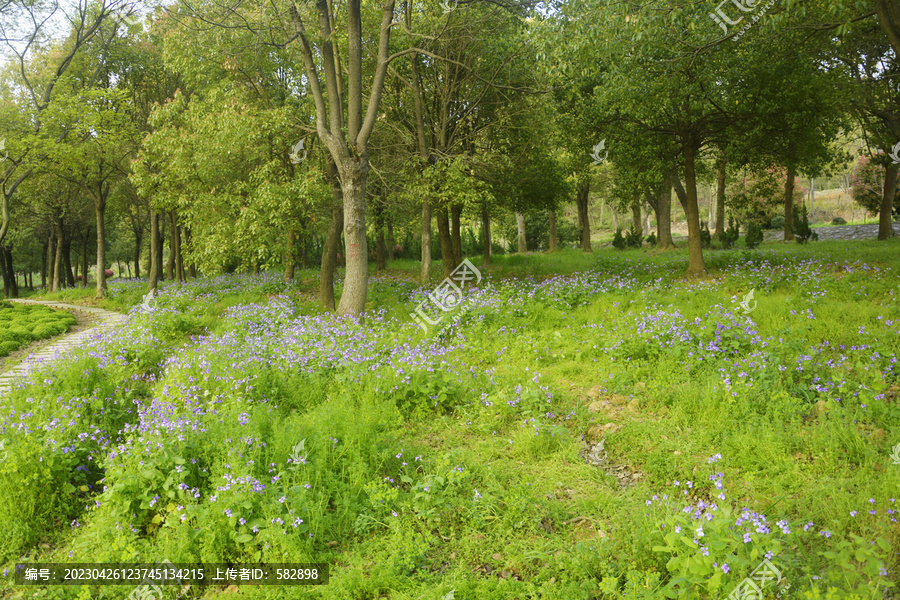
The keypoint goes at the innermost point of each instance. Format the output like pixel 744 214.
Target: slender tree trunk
pixel 664 216
pixel 520 226
pixel 153 277
pixel 77 277
pixel 356 279
pixel 128 268
pixel 554 242
pixel 161 241
pixel 332 240
pixel 636 215
pixel 486 234
pixel 789 201
pixel 57 262
pixel 581 199
pixel 426 242
pixel 175 241
pixel 380 255
pixel 100 209
pixel 170 265
pixel 51 256
pixel 443 223
pixel 67 262
pixel 7 284
pixel 455 213
pixel 885 229
pixel 12 272
pixel 44 266
pixel 696 265
pixel 84 261
pixel 615 218
pixel 138 239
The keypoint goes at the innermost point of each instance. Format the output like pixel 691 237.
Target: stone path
pixel 51 351
pixel 837 232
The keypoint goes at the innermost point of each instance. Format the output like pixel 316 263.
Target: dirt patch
pixel 84 320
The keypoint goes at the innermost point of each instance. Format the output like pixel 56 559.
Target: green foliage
pixel 731 234
pixel 777 222
pixel 619 242
pixel 651 239
pixel 800 227
pixel 21 324
pixel 633 238
pixel 754 235
pixel 705 236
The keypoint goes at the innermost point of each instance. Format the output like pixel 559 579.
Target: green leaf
pixel 243 538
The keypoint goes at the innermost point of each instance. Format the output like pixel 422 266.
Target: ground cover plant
pixel 21 324
pixel 593 426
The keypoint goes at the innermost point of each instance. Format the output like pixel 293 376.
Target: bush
pixel 731 234
pixel 618 241
pixel 777 222
pixel 633 239
pixel 705 237
pixel 754 235
pixel 839 221
pixel 800 226
pixel 651 239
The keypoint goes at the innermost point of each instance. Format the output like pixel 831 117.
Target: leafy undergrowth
pixel 234 421
pixel 21 324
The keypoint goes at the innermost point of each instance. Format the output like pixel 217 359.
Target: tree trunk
pixel 885 229
pixel 636 215
pixel 290 242
pixel 51 256
pixel 380 255
pixel 153 277
pixel 353 173
pixel 7 284
pixel 789 201
pixel 170 265
pixel 332 240
pixel 443 223
pixel 57 262
pixel 44 266
pixel 551 216
pixel 455 213
pixel 77 264
pixel 520 226
pixel 581 199
pixel 12 272
pixel 486 233
pixel 138 239
pixel 664 216
pixel 84 262
pixel 100 209
pixel 615 217
pixel 67 262
pixel 696 266
pixel 426 242
pixel 175 241
pixel 160 242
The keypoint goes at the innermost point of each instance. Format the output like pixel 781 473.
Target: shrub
pixel 705 237
pixel 633 239
pixel 731 234
pixel 777 222
pixel 651 239
pixel 839 221
pixel 800 226
pixel 754 235
pixel 618 241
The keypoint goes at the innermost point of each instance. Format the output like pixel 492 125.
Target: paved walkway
pixel 51 351
pixel 838 232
